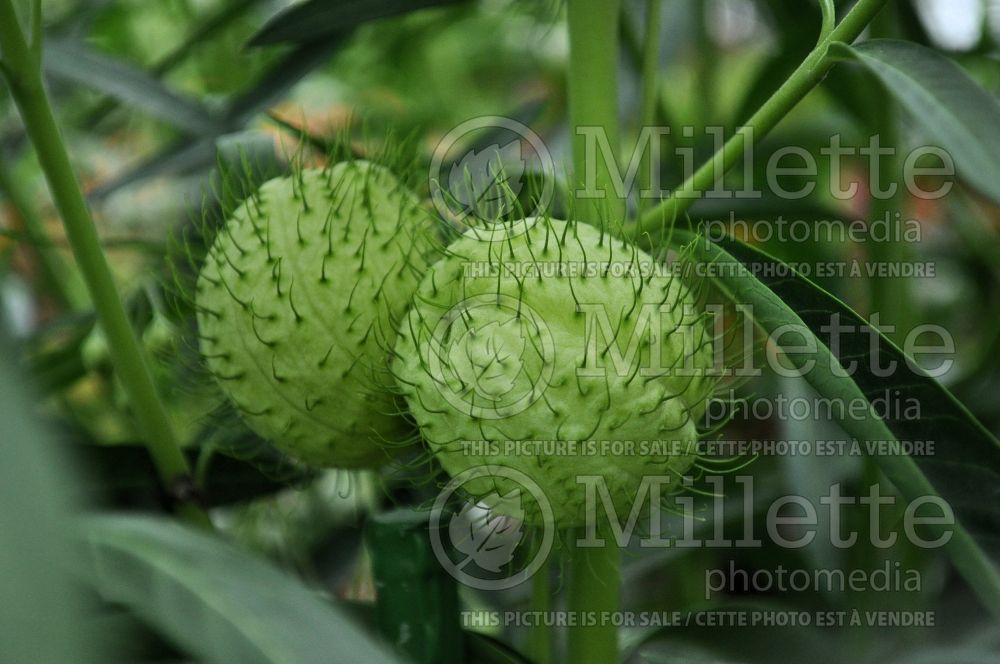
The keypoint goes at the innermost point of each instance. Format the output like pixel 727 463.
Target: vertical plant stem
pixel 417 605
pixel 891 297
pixel 650 92
pixel 706 64
pixel 651 61
pixel 593 103
pixel 540 637
pixel 808 75
pixel 593 108
pixel 594 593
pixel 21 64
pixel 633 48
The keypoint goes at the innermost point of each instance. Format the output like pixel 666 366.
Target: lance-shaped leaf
pixel 218 603
pixel 947 105
pixel 79 64
pixel 965 467
pixel 316 19
pixel 42 614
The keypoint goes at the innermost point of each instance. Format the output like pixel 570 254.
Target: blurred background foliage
pixel 161 102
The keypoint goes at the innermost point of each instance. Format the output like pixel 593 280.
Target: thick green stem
pixel 829 18
pixel 891 297
pixel 593 115
pixel 705 65
pixel 651 60
pixel 799 84
pixel 21 64
pixel 594 594
pixel 593 109
pixel 650 91
pixel 540 637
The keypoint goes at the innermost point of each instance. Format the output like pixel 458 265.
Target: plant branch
pixel 650 78
pixel 633 49
pixel 829 19
pixel 594 593
pixel 593 107
pixel 36 29
pixel 23 67
pixel 540 637
pixel 808 75
pixel 594 583
pixel 890 297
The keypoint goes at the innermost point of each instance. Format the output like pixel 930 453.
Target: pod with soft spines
pixel 298 301
pixel 559 351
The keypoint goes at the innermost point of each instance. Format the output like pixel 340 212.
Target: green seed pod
pixel 551 348
pixel 298 302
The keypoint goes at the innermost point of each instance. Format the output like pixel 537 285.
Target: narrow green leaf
pixel 319 143
pixel 965 467
pixel 315 19
pixel 219 603
pixel 41 613
pixel 943 101
pixel 181 157
pixel 74 62
pixel 221 19
pixel 279 79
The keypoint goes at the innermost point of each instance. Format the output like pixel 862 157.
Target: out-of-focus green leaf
pixel 218 603
pixel 176 159
pixel 184 157
pixel 279 80
pixel 79 64
pixel 221 19
pixel 188 156
pixel 315 19
pixel 40 616
pixel 943 101
pixel 965 466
